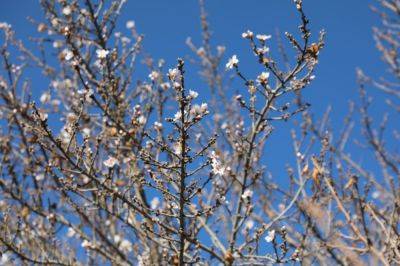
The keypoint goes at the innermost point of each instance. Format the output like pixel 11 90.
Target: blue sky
pixel 167 24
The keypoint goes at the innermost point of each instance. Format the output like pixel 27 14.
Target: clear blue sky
pixel 167 24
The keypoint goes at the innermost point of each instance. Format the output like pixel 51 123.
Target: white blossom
pixel 57 44
pixel 220 49
pixel 86 132
pixel 5 26
pixel 140 261
pixel 263 50
pixel 158 125
pixel 199 110
pixel 217 167
pixel 154 75
pixel 263 37
pixel 155 202
pixel 173 74
pixel 54 22
pixel 248 34
pixel 71 232
pixel 174 205
pixel 125 40
pixel 43 116
pixel 117 238
pixel 201 51
pixel 102 53
pixel 252 89
pixel 247 194
pixel 176 85
pixel 45 98
pixel 98 64
pixel 86 244
pixel 233 61
pixel 68 55
pixel 193 94
pixel 125 245
pixel 65 135
pixel 376 194
pixel 263 77
pixel 177 116
pixel 4 258
pixel 249 224
pixel 39 177
pixel 165 85
pixel 142 120
pixel 204 107
pixel 271 236
pixel 178 148
pixel 67 10
pixel 111 162
pixel 130 24
pixel 55 103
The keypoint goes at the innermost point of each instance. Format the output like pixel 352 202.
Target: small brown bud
pixel 113 131
pixel 229 257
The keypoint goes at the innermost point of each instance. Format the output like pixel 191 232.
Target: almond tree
pixel 104 167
